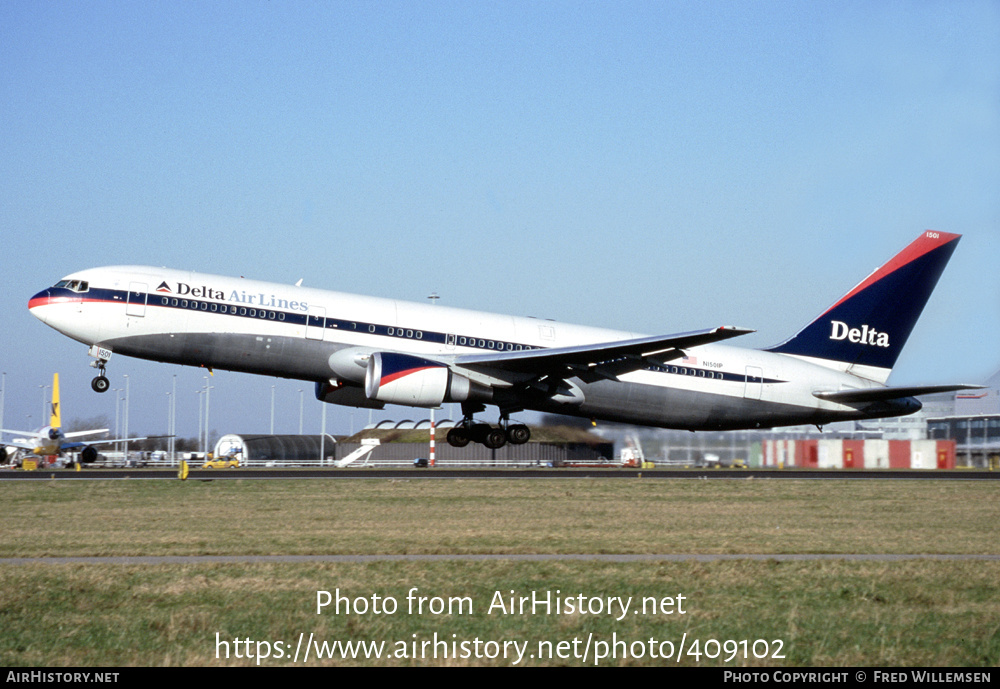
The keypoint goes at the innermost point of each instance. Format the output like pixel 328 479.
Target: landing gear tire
pixel 477 432
pixel 495 438
pixel 458 437
pixel 100 384
pixel 518 434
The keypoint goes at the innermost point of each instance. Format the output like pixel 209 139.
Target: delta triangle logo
pixel 164 287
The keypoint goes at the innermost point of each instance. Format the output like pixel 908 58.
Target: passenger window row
pixel 195 305
pixel 492 344
pixel 684 371
pixel 264 314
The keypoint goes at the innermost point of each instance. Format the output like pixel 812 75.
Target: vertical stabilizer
pixel 55 421
pixel 865 330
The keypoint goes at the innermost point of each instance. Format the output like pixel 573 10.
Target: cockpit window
pixel 74 285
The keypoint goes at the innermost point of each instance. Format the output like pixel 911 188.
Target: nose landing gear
pixel 100 383
pixel 101 356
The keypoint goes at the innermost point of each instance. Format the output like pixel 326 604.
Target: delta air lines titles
pixel 865 335
pixel 235 296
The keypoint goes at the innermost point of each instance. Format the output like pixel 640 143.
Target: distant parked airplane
pixel 51 440
pixel 367 352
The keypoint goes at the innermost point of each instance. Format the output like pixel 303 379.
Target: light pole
pixel 45 406
pixel 322 436
pixel 128 387
pixel 431 450
pixel 201 415
pixel 173 423
pixel 272 410
pixel 118 399
pixel 208 399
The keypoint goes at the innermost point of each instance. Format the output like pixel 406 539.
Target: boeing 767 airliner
pixel 367 352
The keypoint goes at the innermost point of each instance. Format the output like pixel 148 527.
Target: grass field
pixel 918 612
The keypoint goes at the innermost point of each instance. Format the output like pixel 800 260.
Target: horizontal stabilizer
pixel 884 394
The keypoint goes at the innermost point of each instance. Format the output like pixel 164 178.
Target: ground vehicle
pixel 227 462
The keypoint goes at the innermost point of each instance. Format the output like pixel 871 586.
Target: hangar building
pixel 257 450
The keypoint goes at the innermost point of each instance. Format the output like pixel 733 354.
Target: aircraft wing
pixel 605 360
pixel 36 435
pixel 889 393
pixel 23 443
pixel 24 435
pixel 76 434
pixel 103 442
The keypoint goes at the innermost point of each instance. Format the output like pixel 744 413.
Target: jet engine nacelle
pixel 335 392
pixel 416 382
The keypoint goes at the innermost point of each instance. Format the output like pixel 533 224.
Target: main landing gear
pixel 492 437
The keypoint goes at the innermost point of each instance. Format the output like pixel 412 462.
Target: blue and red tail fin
pixel 867 328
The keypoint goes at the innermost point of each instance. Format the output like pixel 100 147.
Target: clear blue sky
pixel 649 166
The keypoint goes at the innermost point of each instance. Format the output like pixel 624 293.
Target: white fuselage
pixel 323 336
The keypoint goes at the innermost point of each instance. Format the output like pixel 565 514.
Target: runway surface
pixel 502 473
pixel 542 557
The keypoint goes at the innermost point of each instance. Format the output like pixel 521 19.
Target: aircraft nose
pixel 36 302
